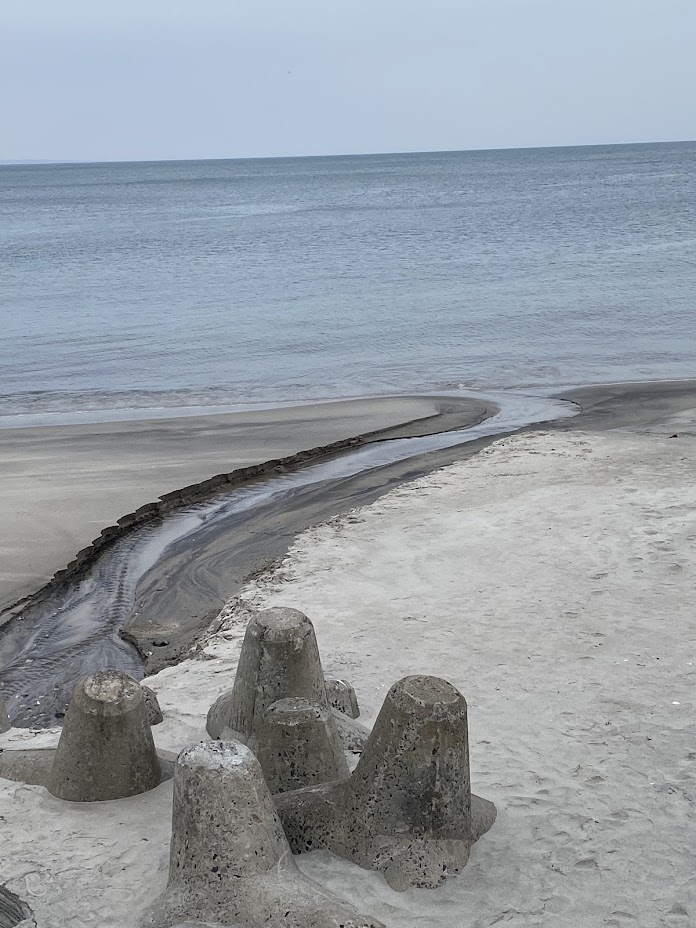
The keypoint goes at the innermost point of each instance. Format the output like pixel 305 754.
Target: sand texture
pixel 550 578
pixel 61 485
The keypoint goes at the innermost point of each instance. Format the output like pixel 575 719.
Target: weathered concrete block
pixel 4 717
pixel 341 696
pixel 229 859
pixel 35 766
pixel 352 733
pixel 106 749
pixel 154 713
pixel 279 659
pixel 299 745
pixel 407 808
pixel 27 766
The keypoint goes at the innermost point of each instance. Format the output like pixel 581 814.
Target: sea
pixel 161 288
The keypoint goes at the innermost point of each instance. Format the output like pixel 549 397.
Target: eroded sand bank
pixel 550 578
pixel 61 485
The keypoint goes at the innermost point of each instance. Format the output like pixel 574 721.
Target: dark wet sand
pixel 60 486
pixel 187 588
pixel 184 591
pixel 629 405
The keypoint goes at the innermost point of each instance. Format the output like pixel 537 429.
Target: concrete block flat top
pixel 406 809
pixel 106 749
pixel 230 863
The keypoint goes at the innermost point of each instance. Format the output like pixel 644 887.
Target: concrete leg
pixel 406 809
pixel 4 717
pixel 341 696
pixel 154 713
pixel 299 745
pixel 279 659
pixel 106 749
pixel 230 863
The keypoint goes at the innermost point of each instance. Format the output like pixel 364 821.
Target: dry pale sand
pixel 61 485
pixel 551 579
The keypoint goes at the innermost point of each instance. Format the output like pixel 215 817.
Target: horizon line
pixel 28 162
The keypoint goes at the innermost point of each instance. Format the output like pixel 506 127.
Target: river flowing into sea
pixel 75 630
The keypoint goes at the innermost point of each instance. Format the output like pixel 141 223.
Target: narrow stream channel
pixel 75 630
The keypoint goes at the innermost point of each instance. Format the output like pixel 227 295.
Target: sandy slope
pixel 61 485
pixel 551 578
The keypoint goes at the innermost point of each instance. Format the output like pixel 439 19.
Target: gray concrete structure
pixel 279 659
pixel 341 696
pixel 299 745
pixel 154 713
pixel 4 717
pixel 35 765
pixel 407 808
pixel 31 766
pixel 230 863
pixel 106 749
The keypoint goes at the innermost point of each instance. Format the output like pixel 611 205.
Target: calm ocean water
pixel 215 283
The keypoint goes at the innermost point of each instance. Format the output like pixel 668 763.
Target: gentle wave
pixel 173 286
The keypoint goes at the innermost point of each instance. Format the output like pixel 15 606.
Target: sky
pixel 111 80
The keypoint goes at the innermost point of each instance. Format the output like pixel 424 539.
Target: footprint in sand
pixel 678 916
pixel 620 919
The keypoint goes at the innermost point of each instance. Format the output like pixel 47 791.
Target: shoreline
pixel 195 589
pixel 178 596
pixel 548 578
pixel 159 464
pixel 637 404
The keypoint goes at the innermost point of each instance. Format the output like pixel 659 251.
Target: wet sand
pixel 187 586
pixel 550 578
pixel 60 486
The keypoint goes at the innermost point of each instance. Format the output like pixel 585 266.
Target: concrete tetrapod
pixel 4 717
pixel 299 745
pixel 229 862
pixel 341 696
pixel 152 706
pixel 407 808
pixel 279 659
pixel 106 749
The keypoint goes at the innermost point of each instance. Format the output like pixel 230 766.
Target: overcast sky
pixel 150 79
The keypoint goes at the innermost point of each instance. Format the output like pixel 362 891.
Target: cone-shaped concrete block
pixel 413 776
pixel 106 749
pixel 4 717
pixel 299 745
pixel 407 807
pixel 341 696
pixel 154 713
pixel 229 861
pixel 279 659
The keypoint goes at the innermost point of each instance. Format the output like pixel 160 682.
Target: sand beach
pixel 549 576
pixel 62 485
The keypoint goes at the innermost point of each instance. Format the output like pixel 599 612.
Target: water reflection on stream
pixel 76 629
